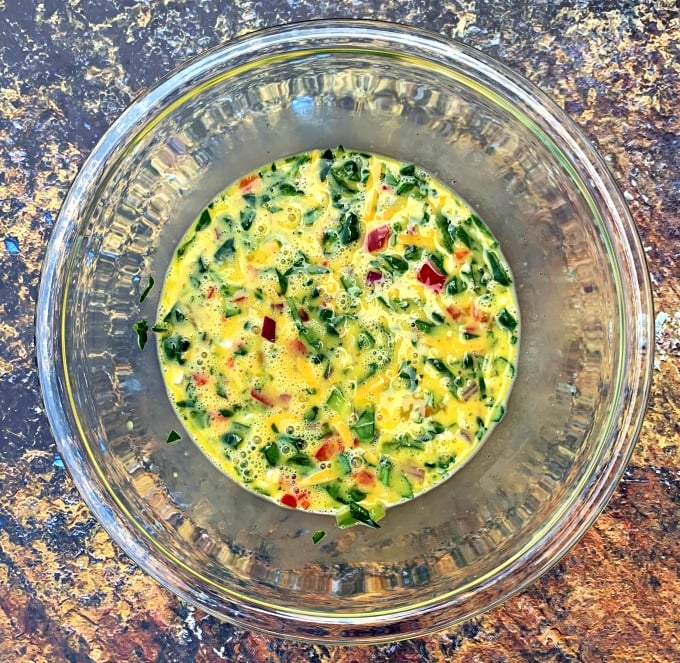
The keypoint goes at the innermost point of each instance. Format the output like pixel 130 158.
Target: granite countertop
pixel 68 68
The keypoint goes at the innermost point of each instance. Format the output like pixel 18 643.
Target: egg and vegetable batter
pixel 338 332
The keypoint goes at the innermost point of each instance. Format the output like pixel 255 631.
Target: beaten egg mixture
pixel 338 332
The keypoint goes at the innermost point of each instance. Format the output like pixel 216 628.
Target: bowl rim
pixel 551 124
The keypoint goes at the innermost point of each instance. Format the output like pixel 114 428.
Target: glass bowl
pixel 585 358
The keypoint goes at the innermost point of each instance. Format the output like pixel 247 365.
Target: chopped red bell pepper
pixel 304 316
pixel 430 277
pixel 297 347
pixel 212 291
pixel 269 329
pixel 377 238
pixel 373 277
pixel 199 379
pixel 302 497
pixel 259 396
pixel 479 314
pixel 246 182
pixel 454 312
pixel 328 450
pixel 364 477
pixel 288 500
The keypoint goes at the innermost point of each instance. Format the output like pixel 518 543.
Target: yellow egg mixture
pixel 338 332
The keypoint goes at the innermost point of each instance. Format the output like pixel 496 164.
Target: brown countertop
pixel 67 70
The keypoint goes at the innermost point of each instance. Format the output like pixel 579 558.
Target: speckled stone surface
pixel 67 70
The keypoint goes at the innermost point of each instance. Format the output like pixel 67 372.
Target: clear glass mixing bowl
pixel 585 356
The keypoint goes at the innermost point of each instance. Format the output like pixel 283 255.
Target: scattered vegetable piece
pixel 377 238
pixel 142 328
pixel 362 515
pixel 349 228
pixel 430 277
pixel 289 500
pixel 260 397
pixel 173 436
pixel 247 181
pixel 269 329
pixel 203 221
pixel 506 320
pixel 364 429
pixel 147 290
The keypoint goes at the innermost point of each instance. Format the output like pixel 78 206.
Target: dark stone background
pixel 68 68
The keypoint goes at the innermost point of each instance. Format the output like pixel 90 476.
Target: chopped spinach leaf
pixel 142 329
pixel 226 250
pixel 364 429
pixel 462 236
pixel 173 436
pixel 174 315
pixel 408 372
pixel 236 435
pixel 283 282
pixel 287 189
pixel 497 270
pixel 349 228
pixel 506 320
pixel 147 290
pixel 271 453
pixel 302 460
pixel 444 226
pixel 174 347
pixel 396 263
pixel 440 366
pixel 182 249
pixel 203 221
pixel 247 216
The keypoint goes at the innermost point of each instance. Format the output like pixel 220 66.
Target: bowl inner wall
pixel 487 513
